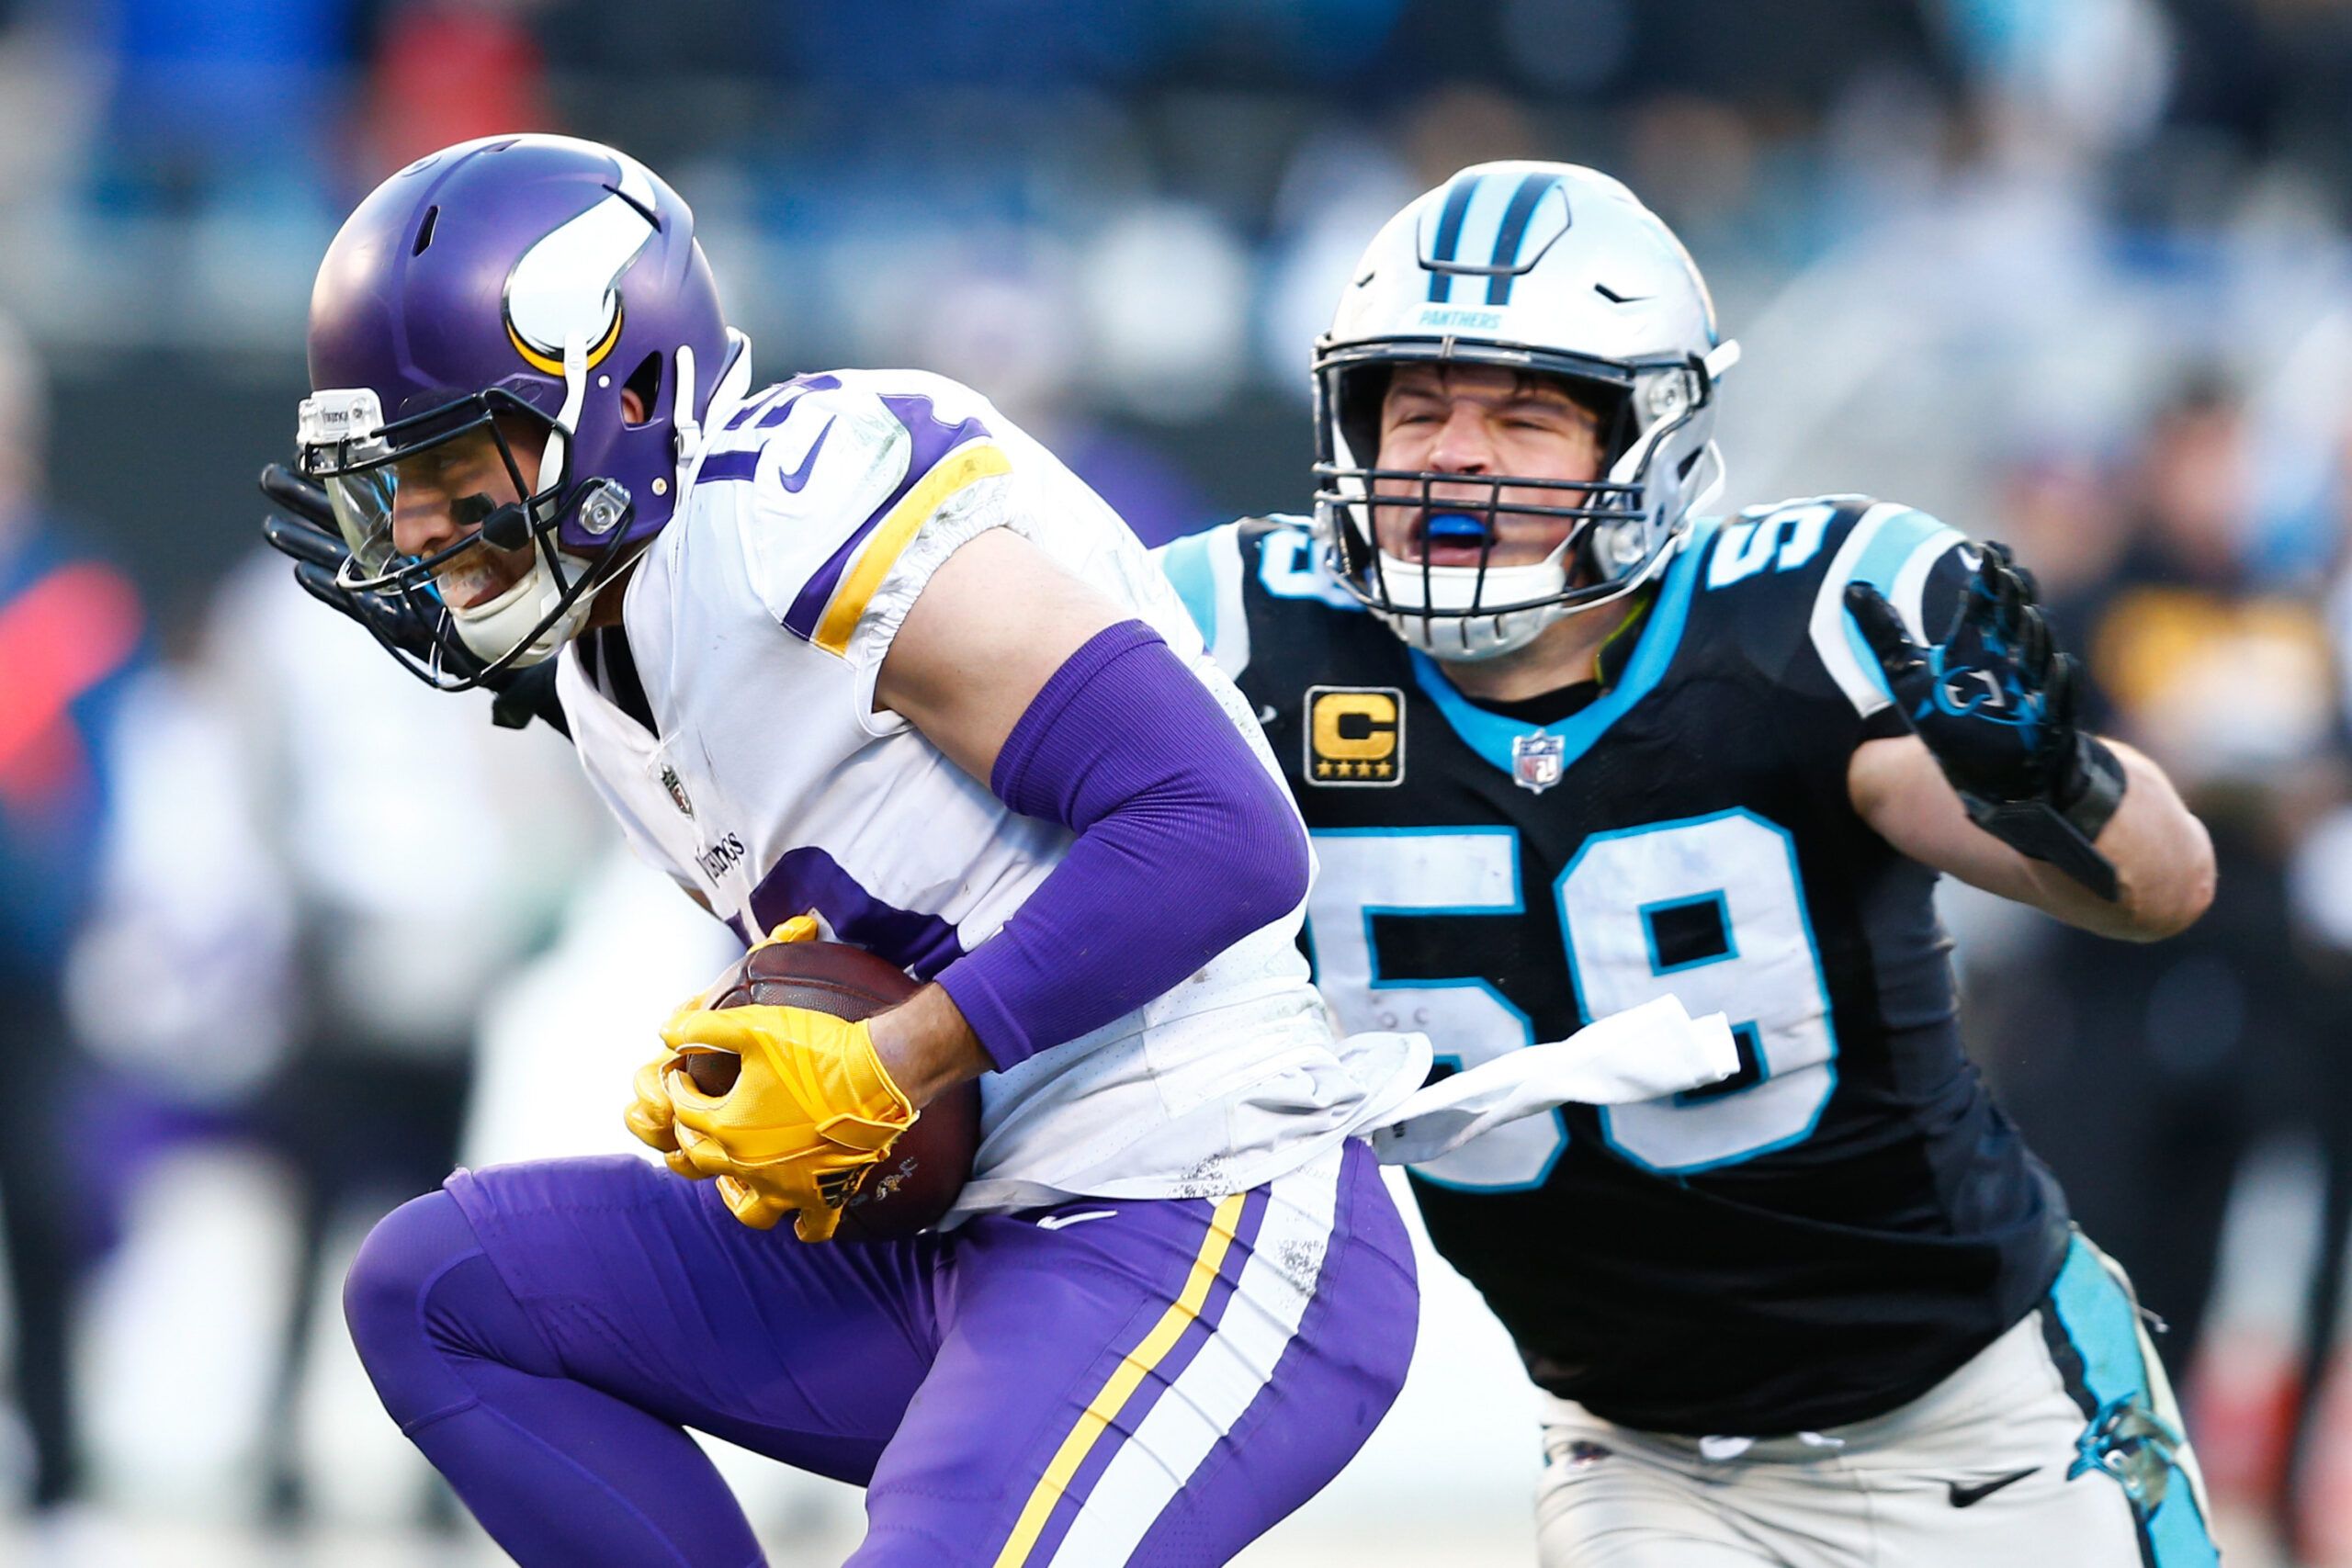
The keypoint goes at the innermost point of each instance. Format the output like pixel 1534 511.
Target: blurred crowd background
pixel 283 936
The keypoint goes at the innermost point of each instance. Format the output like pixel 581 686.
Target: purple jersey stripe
pixel 723 466
pixel 1162 1377
pixel 934 439
pixel 808 878
pixel 796 386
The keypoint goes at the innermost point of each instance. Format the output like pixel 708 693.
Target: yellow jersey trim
pixel 965 465
pixel 1122 1384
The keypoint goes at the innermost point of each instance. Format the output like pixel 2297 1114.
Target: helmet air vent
pixel 425 231
pixel 646 382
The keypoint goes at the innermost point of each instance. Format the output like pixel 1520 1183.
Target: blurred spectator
pixel 402 933
pixel 383 906
pixel 70 633
pixel 447 71
pixel 230 101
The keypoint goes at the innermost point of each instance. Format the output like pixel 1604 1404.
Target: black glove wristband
pixel 2064 835
pixel 2093 788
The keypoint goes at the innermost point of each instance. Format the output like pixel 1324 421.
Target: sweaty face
pixel 441 495
pixel 1479 422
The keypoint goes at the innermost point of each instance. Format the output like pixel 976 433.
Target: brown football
pixel 919 1178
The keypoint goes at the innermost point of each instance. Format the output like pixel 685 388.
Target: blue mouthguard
pixel 1455 528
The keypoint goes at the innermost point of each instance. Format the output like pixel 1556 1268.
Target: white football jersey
pixel 769 786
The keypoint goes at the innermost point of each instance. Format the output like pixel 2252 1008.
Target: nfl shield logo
pixel 677 791
pixel 1535 760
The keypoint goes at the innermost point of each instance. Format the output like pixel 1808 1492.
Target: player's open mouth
pixel 480 575
pixel 1451 538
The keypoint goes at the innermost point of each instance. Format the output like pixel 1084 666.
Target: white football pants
pixel 2056 1444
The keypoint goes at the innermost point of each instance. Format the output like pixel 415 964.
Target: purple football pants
pixel 1105 1382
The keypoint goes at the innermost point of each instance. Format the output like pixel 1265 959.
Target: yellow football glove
pixel 649 1114
pixel 812 1110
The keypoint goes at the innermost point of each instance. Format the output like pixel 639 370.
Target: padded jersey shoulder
pixel 841 472
pixel 1773 590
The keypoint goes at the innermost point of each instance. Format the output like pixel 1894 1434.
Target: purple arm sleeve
pixel 1185 845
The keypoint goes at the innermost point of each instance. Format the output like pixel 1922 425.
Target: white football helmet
pixel 1543 268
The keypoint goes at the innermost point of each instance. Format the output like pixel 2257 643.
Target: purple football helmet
pixel 515 277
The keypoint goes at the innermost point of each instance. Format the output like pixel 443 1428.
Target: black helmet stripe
pixel 1502 263
pixel 1514 231
pixel 1449 237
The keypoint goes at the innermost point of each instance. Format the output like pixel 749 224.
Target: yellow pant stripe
pixel 1121 1383
pixel 975 461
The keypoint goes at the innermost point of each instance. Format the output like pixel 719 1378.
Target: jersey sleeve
pixel 1205 570
pixel 859 495
pixel 1781 572
pixel 1913 558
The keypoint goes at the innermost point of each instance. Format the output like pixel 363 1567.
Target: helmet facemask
pixel 347 447
pixel 1621 525
pixel 1544 270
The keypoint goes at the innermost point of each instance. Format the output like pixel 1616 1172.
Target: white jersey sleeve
pixel 865 483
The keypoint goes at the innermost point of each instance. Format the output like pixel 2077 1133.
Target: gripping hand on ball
pixel 811 1111
pixel 800 928
pixel 1993 701
pixel 650 1115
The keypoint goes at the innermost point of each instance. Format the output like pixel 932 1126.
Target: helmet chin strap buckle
pixel 603 506
pixel 1620 545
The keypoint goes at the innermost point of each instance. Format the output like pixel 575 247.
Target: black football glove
pixel 1994 701
pixel 307 534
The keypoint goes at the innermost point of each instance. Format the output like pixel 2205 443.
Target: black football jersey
pixel 1849 1218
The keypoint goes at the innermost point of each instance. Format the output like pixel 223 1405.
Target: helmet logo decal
pixel 1477 219
pixel 562 286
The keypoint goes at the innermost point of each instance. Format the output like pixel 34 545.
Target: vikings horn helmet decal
pixel 530 292
pixel 563 285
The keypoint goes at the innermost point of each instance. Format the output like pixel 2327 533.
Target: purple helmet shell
pixel 470 270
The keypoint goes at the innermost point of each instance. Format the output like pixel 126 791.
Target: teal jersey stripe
pixel 1882 560
pixel 1510 238
pixel 1448 239
pixel 2102 1324
pixel 1490 734
pixel 1186 563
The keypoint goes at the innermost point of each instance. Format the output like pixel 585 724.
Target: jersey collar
pixel 1638 662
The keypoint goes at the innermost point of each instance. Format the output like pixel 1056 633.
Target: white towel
pixel 1641 1054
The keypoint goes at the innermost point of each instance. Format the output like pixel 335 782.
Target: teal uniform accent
pixel 1882 559
pixel 2103 1326
pixel 1490 735
pixel 1186 563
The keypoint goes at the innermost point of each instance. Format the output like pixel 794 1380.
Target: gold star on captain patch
pixel 1322 770
pixel 1384 769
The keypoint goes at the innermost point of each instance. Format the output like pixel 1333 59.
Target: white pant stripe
pixel 1210 1395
